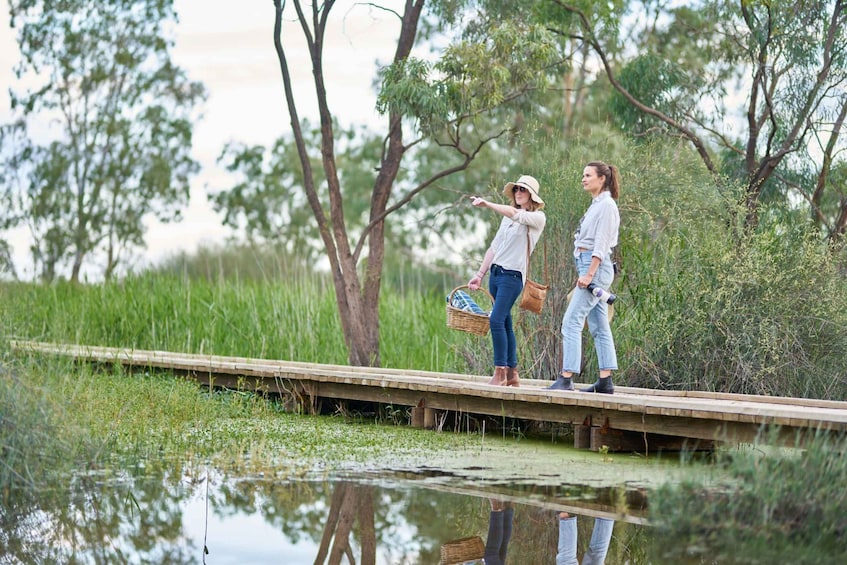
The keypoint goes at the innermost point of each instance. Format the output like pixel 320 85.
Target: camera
pixel 601 293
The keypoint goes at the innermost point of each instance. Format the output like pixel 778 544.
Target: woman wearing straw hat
pixel 507 259
pixel 593 243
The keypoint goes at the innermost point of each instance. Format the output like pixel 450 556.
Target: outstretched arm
pixel 503 209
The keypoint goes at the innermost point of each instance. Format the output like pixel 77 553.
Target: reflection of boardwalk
pixel 613 503
pixel 633 419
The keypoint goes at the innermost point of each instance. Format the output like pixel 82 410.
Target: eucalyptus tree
pixel 443 102
pixel 756 87
pixel 107 122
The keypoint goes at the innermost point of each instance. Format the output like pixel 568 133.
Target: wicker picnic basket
pixel 465 321
pixel 462 550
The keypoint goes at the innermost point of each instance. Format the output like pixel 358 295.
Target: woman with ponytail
pixel 593 243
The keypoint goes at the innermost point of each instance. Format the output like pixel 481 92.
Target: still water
pixel 367 518
pixel 409 521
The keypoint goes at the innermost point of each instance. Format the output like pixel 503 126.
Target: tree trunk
pixel 344 526
pixel 367 529
pixel 357 300
pixel 338 496
pixel 359 319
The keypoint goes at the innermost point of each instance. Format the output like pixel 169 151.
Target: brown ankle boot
pixel 499 377
pixel 512 378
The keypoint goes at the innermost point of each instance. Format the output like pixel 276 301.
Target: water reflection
pixel 499 531
pixel 98 517
pixel 369 520
pixel 598 546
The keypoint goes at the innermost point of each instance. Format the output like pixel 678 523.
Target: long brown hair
pixel 531 206
pixel 610 173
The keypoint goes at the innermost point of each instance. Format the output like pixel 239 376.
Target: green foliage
pixel 653 81
pixel 472 76
pixel 407 90
pixel 758 82
pixel 761 316
pixel 772 508
pixel 121 151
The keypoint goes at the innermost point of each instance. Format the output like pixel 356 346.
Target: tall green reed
pixel 294 320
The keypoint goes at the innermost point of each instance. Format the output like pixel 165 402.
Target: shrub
pixel 703 304
pixel 780 507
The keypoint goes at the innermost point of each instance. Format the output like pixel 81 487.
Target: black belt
pixel 498 270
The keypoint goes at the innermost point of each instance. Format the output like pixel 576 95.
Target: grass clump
pixel 786 506
pixel 756 316
pixel 36 441
pixel 59 417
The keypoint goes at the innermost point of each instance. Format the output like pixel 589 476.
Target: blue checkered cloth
pixel 463 301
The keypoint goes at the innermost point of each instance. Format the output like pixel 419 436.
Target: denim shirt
pixel 598 229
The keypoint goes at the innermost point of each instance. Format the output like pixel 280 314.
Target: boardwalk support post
pixel 582 434
pixel 423 417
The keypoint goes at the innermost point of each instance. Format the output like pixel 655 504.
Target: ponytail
pixel 612 176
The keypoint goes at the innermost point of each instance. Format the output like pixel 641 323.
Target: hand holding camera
pixel 601 293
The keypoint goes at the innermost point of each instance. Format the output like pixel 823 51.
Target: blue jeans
pixel 601 537
pixel 585 306
pixel 505 286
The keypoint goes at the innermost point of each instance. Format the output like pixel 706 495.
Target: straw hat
pixel 530 184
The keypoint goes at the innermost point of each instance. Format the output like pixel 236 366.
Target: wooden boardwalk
pixel 633 419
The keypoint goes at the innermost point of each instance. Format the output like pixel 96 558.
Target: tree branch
pixel 305 163
pixel 595 45
pixel 468 158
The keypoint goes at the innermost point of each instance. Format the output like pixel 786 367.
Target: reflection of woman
pixel 507 257
pixel 601 537
pixel 499 532
pixel 593 243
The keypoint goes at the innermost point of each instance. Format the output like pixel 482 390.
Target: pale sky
pixel 231 51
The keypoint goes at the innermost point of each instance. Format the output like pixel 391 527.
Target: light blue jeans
pixel 585 306
pixel 601 537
